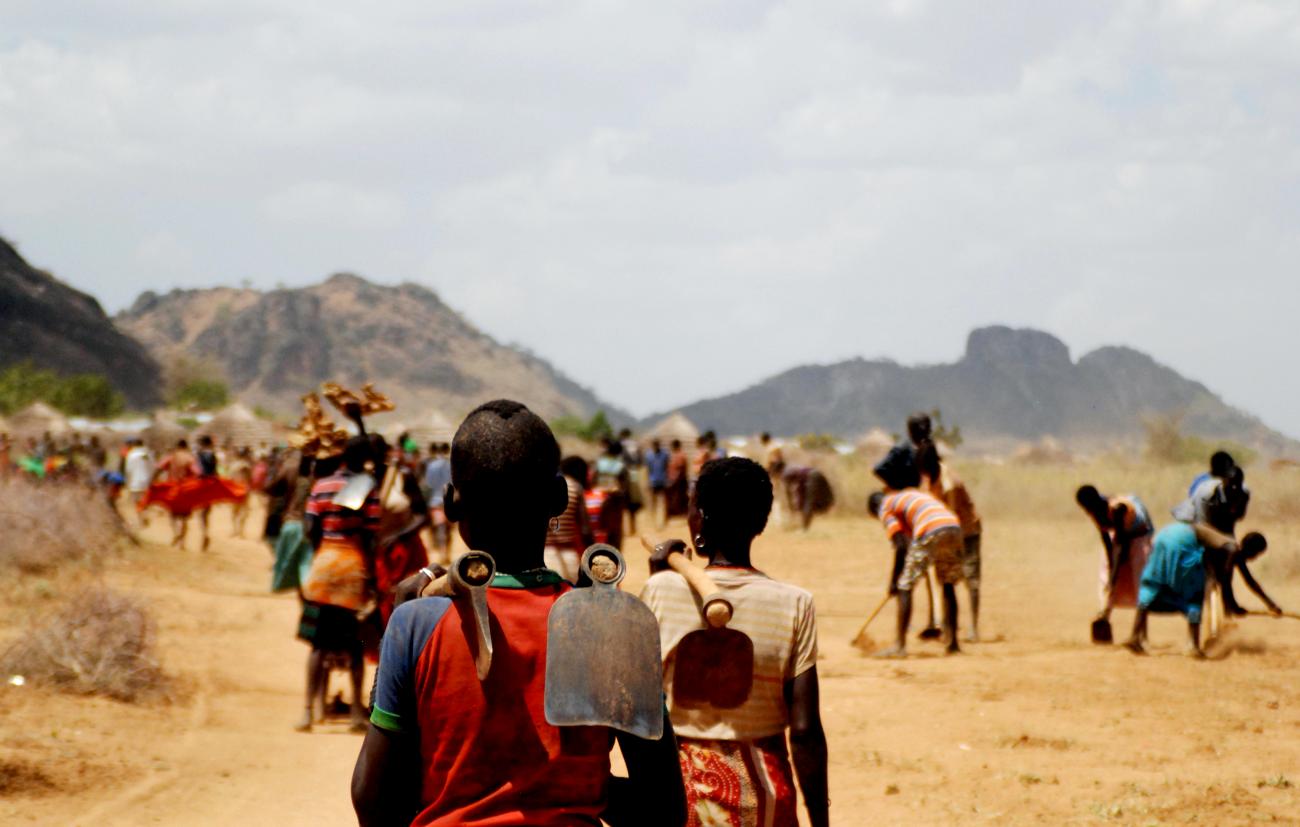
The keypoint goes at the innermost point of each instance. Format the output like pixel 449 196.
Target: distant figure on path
pixel 656 464
pixel 340 581
pixel 437 474
pixel 678 491
pixel 807 492
pixel 569 534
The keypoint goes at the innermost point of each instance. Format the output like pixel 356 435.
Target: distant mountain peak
pixel 1011 384
pixel 1022 346
pixel 275 345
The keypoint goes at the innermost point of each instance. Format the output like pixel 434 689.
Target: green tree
pixel 22 384
pixel 195 384
pixel 1167 443
pixel 88 395
pixel 84 394
pixel 592 430
pixel 201 394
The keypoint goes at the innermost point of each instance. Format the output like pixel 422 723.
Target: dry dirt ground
pixel 1038 727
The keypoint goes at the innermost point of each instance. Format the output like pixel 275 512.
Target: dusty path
pixel 1040 727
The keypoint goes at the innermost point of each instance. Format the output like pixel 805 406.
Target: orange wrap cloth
pixel 192 494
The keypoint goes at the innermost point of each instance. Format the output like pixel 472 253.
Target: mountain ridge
pixel 57 327
pixel 1009 385
pixel 273 345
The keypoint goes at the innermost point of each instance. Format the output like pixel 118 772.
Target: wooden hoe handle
pixel 717 609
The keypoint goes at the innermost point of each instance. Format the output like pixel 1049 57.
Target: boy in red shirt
pixel 444 748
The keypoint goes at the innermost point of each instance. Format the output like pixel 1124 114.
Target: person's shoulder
pixel 664 582
pixel 415 620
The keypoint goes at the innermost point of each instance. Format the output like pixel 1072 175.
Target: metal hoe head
pixel 353 495
pixel 603 664
pixel 472 574
pixel 469 579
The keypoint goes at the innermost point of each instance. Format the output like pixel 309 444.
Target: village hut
pixel 875 443
pixel 673 426
pixel 237 425
pixel 38 419
pixel 433 427
pixel 163 432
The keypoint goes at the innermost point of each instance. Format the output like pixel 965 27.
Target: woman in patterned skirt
pixel 734 760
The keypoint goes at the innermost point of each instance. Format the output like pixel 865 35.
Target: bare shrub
pixel 23 778
pixel 47 524
pixel 98 643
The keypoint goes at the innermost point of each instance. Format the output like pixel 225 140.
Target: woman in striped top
pixel 734 760
pixel 341 579
pixel 570 533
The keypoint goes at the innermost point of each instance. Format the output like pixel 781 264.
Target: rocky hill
pixel 273 346
pixel 49 324
pixel 1011 385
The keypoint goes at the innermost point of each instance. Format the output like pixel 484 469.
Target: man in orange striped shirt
pixel 923 531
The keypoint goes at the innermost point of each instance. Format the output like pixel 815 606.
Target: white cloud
pixel 715 190
pixel 333 205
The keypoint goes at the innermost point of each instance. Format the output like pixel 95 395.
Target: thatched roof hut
pixel 673 426
pixel 237 425
pixel 163 433
pixel 38 419
pixel 433 427
pixel 875 442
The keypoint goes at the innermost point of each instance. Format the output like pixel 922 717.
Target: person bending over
pixel 923 532
pixel 1126 533
pixel 1185 563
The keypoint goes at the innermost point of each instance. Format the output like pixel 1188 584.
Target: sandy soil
pixel 1036 727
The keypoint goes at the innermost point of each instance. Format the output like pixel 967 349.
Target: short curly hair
pixel 504 451
pixel 735 497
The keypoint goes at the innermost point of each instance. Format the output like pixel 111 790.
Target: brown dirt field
pixel 1039 727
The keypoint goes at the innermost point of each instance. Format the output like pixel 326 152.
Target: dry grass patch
pixel 98 643
pixel 19 777
pixel 49 524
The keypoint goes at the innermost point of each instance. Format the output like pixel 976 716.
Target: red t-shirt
pixel 488 756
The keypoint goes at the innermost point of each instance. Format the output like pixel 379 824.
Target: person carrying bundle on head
pixel 445 747
pixel 733 751
pixel 341 580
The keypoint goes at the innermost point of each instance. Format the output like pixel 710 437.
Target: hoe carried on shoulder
pixel 468 579
pixel 713 666
pixel 603 664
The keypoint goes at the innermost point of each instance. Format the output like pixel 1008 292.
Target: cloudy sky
pixel 675 199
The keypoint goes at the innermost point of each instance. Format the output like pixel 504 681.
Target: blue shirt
pixel 1174 577
pixel 436 477
pixel 657 467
